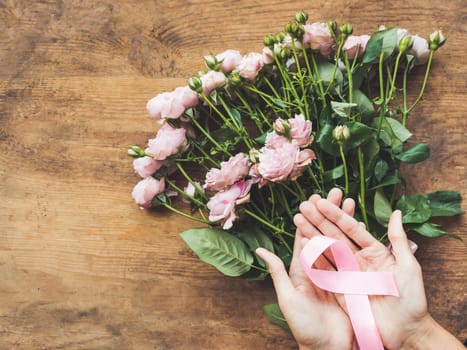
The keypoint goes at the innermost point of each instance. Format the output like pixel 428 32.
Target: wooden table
pixel 81 267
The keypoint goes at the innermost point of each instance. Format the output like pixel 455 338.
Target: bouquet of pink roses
pixel 252 136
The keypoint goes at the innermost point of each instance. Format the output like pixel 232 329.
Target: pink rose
pixel 318 37
pixel 167 142
pixel 163 106
pixel 212 80
pixel 172 104
pixel 146 190
pixel 250 65
pixel 222 205
pixel 236 168
pixel 268 55
pixel 354 43
pixel 419 49
pixel 146 166
pixel 277 159
pixel 274 140
pixel 304 158
pixel 300 130
pixel 185 96
pixel 229 59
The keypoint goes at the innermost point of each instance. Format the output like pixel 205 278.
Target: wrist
pixel 418 336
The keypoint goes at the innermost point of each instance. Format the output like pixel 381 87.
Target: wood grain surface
pixel 81 266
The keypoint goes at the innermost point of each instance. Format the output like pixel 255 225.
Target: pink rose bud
pixel 222 205
pixel 437 40
pixel 146 166
pixel 300 130
pixel 419 49
pixel 268 55
pixel 318 37
pixel 191 190
pixel 167 142
pixel 212 80
pixel 235 169
pixel 212 62
pixel 229 59
pixel 281 126
pixel 146 190
pixel 250 66
pixel 401 34
pixel 355 44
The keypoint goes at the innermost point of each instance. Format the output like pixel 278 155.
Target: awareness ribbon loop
pixel 356 285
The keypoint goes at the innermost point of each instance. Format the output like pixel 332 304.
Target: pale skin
pixel 318 319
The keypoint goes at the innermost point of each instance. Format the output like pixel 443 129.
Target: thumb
pixel 398 238
pixel 280 278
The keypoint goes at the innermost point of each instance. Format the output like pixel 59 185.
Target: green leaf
pixel 417 153
pixel 445 203
pixel 381 168
pixel 326 70
pixel 237 116
pixel 342 109
pixel 334 173
pixel 387 135
pixel 387 181
pixel 415 208
pixel 399 130
pixel 428 229
pixel 364 104
pixel 373 49
pixel 275 316
pixel 370 153
pixel 382 207
pixel 255 239
pixel 381 41
pixel 220 249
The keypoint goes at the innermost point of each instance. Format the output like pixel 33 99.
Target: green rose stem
pixel 336 65
pixel 359 152
pixel 344 163
pixel 289 84
pixel 184 173
pixel 188 216
pixel 362 187
pixel 393 80
pixel 382 95
pixel 251 112
pixel 315 180
pixel 228 122
pixel 208 136
pixel 300 80
pixel 208 157
pixel 184 194
pixel 277 231
pixel 320 83
pixel 422 90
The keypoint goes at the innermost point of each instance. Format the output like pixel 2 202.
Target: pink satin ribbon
pixel 353 283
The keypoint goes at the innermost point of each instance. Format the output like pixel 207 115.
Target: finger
pixel 347 225
pixel 311 212
pixel 305 227
pixel 348 206
pixel 335 196
pixel 280 278
pixel 396 234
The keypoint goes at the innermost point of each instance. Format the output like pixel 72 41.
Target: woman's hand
pixel 315 317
